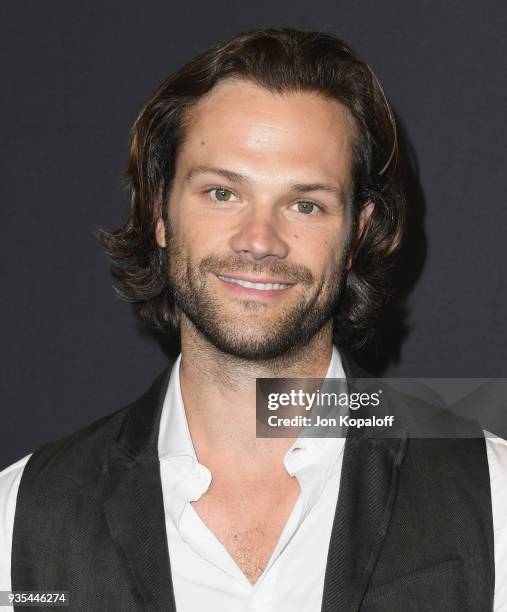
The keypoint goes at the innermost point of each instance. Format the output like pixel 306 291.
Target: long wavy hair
pixel 282 61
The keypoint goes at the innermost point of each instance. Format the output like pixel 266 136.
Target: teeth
pixel 261 286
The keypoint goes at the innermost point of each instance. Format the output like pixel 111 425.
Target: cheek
pixel 324 255
pixel 323 248
pixel 186 228
pixel 199 240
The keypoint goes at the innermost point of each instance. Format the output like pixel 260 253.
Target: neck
pixel 218 393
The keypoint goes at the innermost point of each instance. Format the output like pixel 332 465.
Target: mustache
pixel 287 273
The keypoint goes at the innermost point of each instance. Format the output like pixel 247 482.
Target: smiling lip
pixel 262 288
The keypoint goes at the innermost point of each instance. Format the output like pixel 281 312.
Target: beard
pixel 253 334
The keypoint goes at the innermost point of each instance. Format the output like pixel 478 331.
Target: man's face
pixel 259 217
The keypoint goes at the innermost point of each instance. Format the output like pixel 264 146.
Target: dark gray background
pixel 74 76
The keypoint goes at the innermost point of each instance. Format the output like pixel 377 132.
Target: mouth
pixel 267 285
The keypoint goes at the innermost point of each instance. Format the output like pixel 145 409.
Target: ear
pixel 364 217
pixel 160 233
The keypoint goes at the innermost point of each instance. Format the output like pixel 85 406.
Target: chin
pixel 264 346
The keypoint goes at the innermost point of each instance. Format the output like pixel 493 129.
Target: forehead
pixel 241 123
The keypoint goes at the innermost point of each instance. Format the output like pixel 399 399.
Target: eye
pixel 219 194
pixel 306 207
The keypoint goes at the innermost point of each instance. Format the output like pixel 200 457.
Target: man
pixel 266 204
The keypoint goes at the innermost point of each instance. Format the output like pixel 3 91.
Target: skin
pixel 250 220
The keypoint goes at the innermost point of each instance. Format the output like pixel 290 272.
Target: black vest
pixel 412 530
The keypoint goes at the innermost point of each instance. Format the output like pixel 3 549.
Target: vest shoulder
pixel 78 452
pixel 84 454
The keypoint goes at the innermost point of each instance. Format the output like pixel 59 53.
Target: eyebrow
pixel 228 174
pixel 240 178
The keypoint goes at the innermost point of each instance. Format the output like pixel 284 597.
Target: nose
pixel 258 236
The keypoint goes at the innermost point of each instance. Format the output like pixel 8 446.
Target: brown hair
pixel 284 60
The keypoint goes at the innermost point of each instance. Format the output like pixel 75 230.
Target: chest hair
pixel 249 521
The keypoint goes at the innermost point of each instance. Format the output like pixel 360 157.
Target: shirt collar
pixel 184 479
pixel 313 460
pixel 174 436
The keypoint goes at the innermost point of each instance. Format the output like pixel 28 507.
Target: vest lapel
pixel 133 504
pixel 365 503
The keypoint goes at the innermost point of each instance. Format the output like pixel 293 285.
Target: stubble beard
pixel 264 338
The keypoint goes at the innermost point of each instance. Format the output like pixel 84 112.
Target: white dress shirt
pixel 203 570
